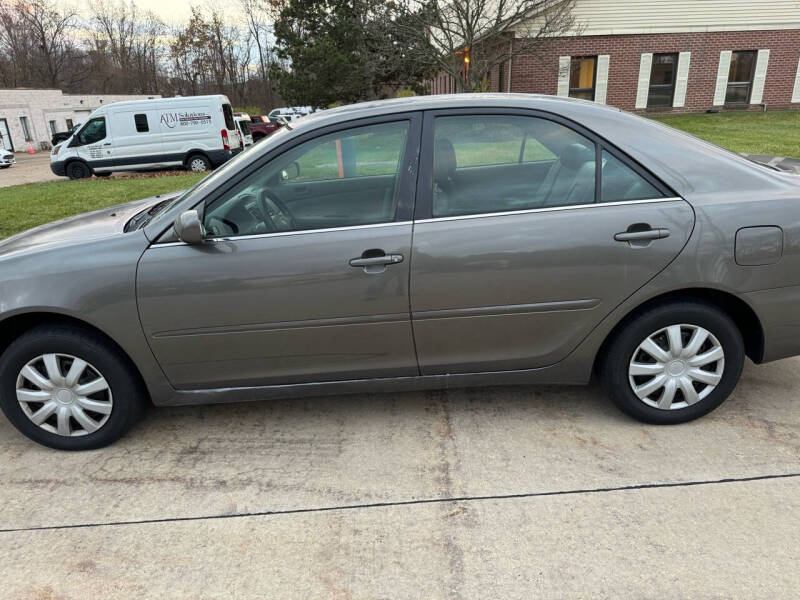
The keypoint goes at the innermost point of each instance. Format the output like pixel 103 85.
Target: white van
pixel 194 132
pixel 243 125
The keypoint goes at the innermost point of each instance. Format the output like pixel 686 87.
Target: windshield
pixel 245 127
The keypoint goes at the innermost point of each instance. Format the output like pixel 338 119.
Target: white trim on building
pixel 615 17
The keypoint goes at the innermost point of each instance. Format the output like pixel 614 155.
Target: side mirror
pixel 189 228
pixel 291 171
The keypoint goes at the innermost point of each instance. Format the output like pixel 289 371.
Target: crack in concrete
pixel 421 501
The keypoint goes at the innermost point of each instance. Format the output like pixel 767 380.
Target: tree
pixel 466 39
pixel 258 15
pixel 342 51
pixel 49 47
pixel 126 46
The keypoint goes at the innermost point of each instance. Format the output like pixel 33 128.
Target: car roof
pixel 690 166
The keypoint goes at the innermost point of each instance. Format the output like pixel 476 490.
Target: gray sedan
pixel 419 243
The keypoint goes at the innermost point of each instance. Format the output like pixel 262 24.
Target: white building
pixel 29 117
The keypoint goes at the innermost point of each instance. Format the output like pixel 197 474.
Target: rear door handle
pixel 388 259
pixel 642 236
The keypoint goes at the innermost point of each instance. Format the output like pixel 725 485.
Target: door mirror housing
pixel 189 227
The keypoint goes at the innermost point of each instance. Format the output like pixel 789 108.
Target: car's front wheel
pixel 674 363
pixel 69 388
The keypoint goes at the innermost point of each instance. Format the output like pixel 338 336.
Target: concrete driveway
pixel 484 493
pixel 30 168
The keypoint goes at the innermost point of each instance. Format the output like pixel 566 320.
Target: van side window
pixel 141 123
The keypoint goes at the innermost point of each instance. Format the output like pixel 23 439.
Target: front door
pixel 292 287
pixel 521 246
pixel 94 142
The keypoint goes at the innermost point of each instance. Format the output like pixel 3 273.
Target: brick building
pixel 667 56
pixel 28 117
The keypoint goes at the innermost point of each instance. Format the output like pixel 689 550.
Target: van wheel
pixel 78 170
pixel 198 163
pixel 674 363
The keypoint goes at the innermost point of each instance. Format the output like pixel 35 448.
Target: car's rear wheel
pixel 78 170
pixel 69 388
pixel 674 363
pixel 198 163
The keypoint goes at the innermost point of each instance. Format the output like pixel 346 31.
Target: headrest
pixel 444 160
pixel 575 156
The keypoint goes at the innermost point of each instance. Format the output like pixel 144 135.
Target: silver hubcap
pixel 63 394
pixel 198 165
pixel 676 367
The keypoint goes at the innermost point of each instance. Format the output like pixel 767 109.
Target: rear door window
pixel 496 163
pixel 227 112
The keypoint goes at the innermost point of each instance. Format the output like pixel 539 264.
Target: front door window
pixel 94 131
pixel 341 179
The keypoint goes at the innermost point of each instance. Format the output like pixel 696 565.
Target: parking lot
pixel 483 493
pixel 29 169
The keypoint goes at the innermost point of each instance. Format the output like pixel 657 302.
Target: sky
pixel 174 12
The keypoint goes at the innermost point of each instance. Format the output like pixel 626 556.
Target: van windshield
pixel 228 112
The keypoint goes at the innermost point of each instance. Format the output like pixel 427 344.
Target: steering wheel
pixel 274 212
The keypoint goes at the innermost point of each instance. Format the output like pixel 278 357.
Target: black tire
pixel 129 397
pixel 195 160
pixel 615 364
pixel 78 170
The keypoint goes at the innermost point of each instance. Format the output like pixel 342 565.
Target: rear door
pixel 528 232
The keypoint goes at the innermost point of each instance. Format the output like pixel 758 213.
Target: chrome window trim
pixel 286 233
pixel 549 209
pixel 432 220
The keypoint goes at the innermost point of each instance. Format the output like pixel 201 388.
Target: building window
pixel 662 80
pixel 582 77
pixel 52 126
pixel 141 123
pixel 26 129
pixel 69 125
pixel 740 77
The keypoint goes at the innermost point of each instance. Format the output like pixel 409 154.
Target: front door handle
pixel 375 261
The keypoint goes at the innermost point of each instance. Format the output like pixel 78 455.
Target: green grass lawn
pixel 29 205
pixel 774 132
pixel 25 206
